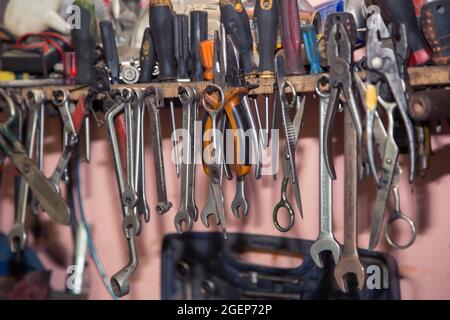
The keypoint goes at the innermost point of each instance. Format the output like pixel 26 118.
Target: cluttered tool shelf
pixel 418 77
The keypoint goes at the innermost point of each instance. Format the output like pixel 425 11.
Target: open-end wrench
pixel 239 203
pixel 326 240
pixel 142 207
pixel 39 154
pixel 18 235
pixel 187 211
pixel 215 203
pixel 155 99
pixel 349 262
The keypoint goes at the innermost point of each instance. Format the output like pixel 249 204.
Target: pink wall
pixel 425 266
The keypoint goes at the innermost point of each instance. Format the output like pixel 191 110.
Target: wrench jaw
pixel 325 244
pixel 17 238
pixel 163 207
pixel 238 206
pixel 183 218
pixel 349 265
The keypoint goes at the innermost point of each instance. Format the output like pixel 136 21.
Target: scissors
pixel 286 166
pixel 390 173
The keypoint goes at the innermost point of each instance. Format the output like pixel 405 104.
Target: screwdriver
pixel 110 49
pixel 237 25
pixel 435 18
pixel 181 36
pixel 199 33
pixel 161 27
pixel 312 48
pixel 291 37
pixel 266 22
pixel 206 57
pixel 147 58
pixel 84 39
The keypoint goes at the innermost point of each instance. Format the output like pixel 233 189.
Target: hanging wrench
pixel 349 262
pixel 215 203
pixel 18 236
pixel 156 99
pixel 142 207
pixel 131 224
pixel 188 210
pixel 39 154
pixel 326 240
pixel 61 101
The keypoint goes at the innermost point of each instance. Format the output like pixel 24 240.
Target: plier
pixel 340 60
pixel 382 60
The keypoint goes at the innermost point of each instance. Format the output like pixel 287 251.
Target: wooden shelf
pixel 419 77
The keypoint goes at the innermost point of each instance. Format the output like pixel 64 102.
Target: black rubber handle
pixel 84 45
pixel 266 20
pixel 237 25
pixel 110 49
pixel 435 18
pixel 161 27
pixel 199 33
pixel 403 12
pixel 147 58
pixel 181 36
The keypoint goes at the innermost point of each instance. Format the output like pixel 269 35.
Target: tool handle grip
pixel 206 57
pixel 147 57
pixel 181 36
pixel 430 105
pixel 403 12
pixel 266 21
pixel 161 26
pixel 110 49
pixel 435 18
pixel 290 37
pixel 237 25
pixel 238 125
pixel 199 33
pixel 84 45
pixel 312 48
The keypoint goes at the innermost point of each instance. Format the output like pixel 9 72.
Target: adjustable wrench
pixel 349 262
pixel 188 209
pixel 18 236
pixel 326 240
pixel 156 99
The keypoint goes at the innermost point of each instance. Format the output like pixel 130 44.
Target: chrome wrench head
pixel 239 203
pixel 349 265
pixel 120 281
pixel 325 241
pixel 17 238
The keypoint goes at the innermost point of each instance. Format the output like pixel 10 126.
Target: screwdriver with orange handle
pixel 206 58
pixel 238 125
